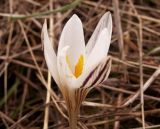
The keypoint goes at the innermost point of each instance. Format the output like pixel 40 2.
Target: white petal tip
pixel 75 18
pixel 108 19
pixel 44 25
pixel 45 21
pixel 44 29
pixel 107 14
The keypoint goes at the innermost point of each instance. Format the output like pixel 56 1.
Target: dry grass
pixel 118 103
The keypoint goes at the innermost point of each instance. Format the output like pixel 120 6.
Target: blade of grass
pixel 10 91
pixel 35 15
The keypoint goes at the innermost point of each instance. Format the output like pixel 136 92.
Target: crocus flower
pixel 77 68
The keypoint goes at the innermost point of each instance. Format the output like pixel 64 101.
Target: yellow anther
pixel 79 66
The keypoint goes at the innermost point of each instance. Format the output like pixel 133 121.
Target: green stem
pixel 61 9
pixel 11 91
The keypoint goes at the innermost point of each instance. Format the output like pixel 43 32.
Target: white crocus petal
pixel 73 36
pixel 49 54
pixel 68 80
pixel 101 48
pixel 105 22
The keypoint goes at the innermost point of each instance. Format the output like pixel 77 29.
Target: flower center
pixel 78 67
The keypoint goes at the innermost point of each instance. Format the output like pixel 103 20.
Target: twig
pixel 4 116
pixel 117 123
pixel 24 94
pixel 121 11
pixel 141 62
pixel 119 28
pixel 149 127
pixel 128 92
pixel 7 54
pixel 46 117
pixel 122 51
pixel 53 96
pixel 146 85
